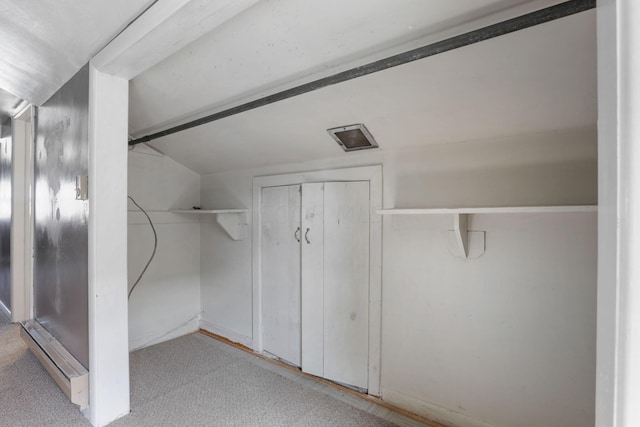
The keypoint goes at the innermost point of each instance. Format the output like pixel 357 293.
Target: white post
pixel 618 360
pixel 21 248
pixel 108 310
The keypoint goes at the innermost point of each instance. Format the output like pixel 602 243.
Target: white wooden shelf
pixel 491 210
pixel 232 221
pixel 208 211
pixel 471 244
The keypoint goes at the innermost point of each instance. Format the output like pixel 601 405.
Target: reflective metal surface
pixel 61 221
pixel 5 213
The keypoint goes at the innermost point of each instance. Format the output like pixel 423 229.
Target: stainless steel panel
pixel 61 221
pixel 5 213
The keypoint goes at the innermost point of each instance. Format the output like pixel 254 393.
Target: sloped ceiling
pixel 534 80
pixel 280 42
pixel 539 79
pixel 44 43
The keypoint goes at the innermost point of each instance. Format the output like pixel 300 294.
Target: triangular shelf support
pixel 465 243
pixel 234 224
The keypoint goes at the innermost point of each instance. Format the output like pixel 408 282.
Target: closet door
pixel 313 279
pixel 281 272
pixel 346 282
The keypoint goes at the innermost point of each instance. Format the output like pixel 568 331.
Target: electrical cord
pixel 155 246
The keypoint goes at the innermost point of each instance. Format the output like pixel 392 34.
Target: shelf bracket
pixel 464 243
pixel 234 224
pixel 460 222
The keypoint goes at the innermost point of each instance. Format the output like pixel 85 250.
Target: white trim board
pixel 373 174
pixel 21 224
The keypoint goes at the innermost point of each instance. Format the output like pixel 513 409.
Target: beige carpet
pixel 28 395
pixel 190 381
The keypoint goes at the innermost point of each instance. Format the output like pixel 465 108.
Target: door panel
pixel 281 272
pixel 313 278
pixel 60 282
pixel 346 282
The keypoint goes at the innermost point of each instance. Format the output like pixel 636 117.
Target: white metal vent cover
pixel 353 137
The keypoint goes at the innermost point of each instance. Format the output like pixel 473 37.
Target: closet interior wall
pixel 460 334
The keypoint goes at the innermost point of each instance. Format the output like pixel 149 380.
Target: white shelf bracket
pixel 234 224
pixel 460 222
pixel 464 243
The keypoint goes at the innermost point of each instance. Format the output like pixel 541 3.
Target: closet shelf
pixel 232 221
pixel 209 211
pixel 490 210
pixel 471 244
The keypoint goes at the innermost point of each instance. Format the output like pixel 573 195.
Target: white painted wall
pixel 107 257
pixel 21 260
pixel 166 302
pixel 507 339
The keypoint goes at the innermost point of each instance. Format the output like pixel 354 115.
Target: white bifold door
pixel 315 278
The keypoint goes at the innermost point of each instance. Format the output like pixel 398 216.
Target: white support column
pixel 21 248
pixel 618 358
pixel 108 307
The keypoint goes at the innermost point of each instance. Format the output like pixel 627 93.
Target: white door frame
pixel 22 221
pixel 373 174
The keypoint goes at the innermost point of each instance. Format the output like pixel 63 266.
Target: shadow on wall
pixel 527 185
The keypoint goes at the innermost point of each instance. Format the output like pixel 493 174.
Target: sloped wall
pixel 166 302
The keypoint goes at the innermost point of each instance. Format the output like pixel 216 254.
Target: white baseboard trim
pixel 137 343
pixel 430 410
pixel 225 333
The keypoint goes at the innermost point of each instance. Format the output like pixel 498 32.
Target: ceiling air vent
pixel 353 137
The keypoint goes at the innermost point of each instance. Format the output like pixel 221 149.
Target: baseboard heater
pixel 65 370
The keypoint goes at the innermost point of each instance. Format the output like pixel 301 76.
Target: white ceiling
pixel 44 43
pixel 538 79
pixel 534 80
pixel 276 43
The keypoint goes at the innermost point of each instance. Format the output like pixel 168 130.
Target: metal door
pixel 60 284
pixel 5 213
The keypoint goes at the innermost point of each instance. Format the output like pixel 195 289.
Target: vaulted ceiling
pixel 44 43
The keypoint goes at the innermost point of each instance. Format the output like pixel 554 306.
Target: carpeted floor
pixel 190 381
